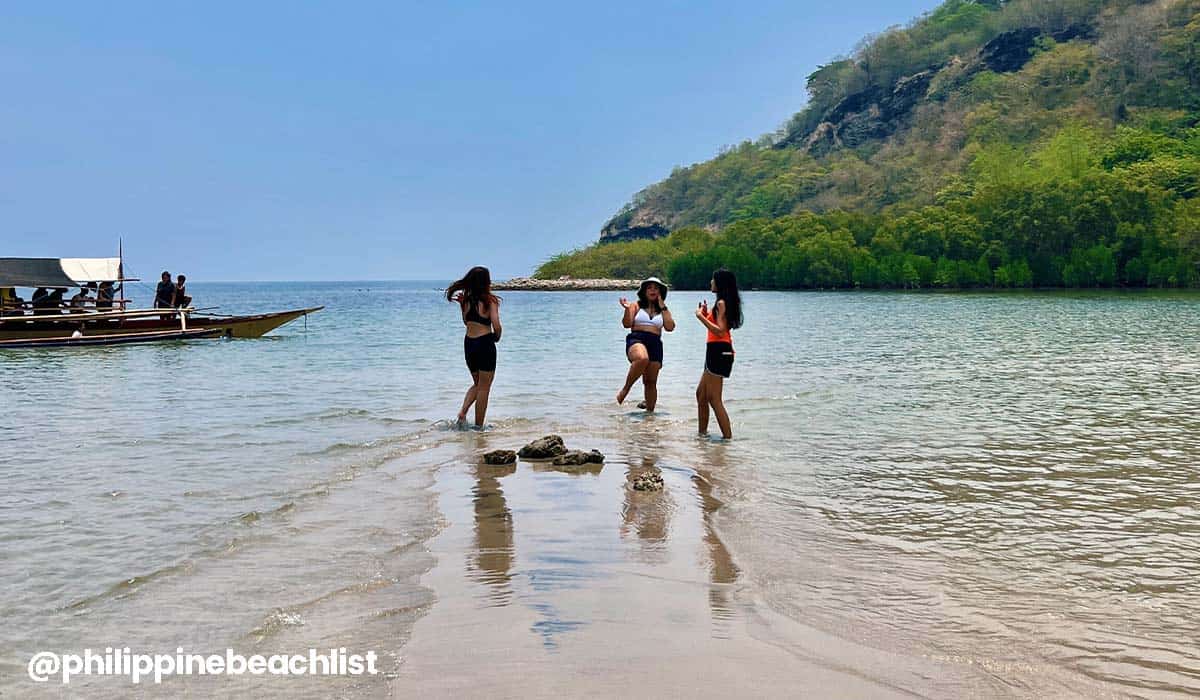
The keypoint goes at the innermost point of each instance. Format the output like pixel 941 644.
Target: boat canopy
pixel 57 272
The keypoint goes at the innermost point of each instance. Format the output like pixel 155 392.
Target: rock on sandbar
pixel 648 482
pixel 578 457
pixel 543 448
pixel 500 457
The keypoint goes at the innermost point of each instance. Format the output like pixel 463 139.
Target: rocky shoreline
pixel 566 284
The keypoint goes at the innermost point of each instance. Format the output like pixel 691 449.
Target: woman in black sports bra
pixel 481 315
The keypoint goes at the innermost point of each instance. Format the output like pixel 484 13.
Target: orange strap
pixel 713 337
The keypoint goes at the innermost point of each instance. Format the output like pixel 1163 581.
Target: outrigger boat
pixel 82 341
pixel 115 322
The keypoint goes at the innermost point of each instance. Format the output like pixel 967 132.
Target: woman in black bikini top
pixel 481 315
pixel 472 315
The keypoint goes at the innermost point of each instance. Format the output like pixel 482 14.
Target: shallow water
pixel 996 492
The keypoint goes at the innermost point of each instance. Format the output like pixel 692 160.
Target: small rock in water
pixel 578 457
pixel 499 457
pixel 543 448
pixel 648 482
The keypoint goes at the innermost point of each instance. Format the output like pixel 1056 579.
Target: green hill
pixel 988 143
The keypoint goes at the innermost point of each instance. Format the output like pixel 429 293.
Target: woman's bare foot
pixel 621 396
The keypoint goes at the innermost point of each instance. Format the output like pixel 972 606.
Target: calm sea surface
pixel 1009 483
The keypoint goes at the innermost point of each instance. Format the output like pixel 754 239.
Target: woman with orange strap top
pixel 725 316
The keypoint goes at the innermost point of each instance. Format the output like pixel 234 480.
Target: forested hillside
pixel 988 143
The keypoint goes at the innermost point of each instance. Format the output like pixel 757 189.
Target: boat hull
pixel 252 326
pixel 107 339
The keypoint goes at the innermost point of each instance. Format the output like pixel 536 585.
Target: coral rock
pixel 648 482
pixel 500 457
pixel 543 448
pixel 578 457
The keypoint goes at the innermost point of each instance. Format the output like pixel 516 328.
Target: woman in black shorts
pixel 481 314
pixel 725 316
pixel 646 321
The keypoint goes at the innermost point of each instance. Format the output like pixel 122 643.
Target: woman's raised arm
pixel 630 312
pixel 668 320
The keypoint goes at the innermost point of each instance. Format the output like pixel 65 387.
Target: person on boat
pixel 164 293
pixel 182 300
pixel 50 301
pixel 481 315
pixel 10 303
pixel 104 296
pixel 38 301
pixel 725 316
pixel 646 321
pixel 80 300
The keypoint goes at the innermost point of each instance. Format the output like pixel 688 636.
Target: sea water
pixel 1005 483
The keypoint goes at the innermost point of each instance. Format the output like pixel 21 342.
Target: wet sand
pixel 554 581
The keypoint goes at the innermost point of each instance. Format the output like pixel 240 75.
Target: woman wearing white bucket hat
pixel 646 321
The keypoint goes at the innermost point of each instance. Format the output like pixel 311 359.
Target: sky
pixel 378 140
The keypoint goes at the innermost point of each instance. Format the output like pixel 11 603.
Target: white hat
pixel 657 281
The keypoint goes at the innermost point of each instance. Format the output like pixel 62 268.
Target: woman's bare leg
pixel 638 361
pixel 702 403
pixel 650 384
pixel 483 389
pixel 470 397
pixel 716 384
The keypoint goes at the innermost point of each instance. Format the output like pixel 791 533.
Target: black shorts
pixel 652 342
pixel 718 359
pixel 480 353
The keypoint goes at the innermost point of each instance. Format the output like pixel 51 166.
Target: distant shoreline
pixel 572 284
pixel 569 284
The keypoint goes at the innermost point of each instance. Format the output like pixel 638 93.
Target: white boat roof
pixel 57 272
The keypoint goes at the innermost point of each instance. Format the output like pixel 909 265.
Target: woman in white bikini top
pixel 646 321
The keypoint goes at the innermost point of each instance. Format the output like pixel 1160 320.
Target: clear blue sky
pixel 378 140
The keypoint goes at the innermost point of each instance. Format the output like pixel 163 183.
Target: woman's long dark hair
pixel 476 287
pixel 727 291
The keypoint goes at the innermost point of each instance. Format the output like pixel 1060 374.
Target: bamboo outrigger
pixel 25 325
pixel 82 341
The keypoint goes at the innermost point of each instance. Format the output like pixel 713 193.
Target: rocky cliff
pixel 635 222
pixel 865 119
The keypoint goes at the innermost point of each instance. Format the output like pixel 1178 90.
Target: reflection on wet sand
pixel 571 605
pixel 645 519
pixel 492 556
pixel 722 571
pixel 590 468
pixel 646 514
